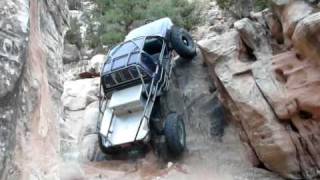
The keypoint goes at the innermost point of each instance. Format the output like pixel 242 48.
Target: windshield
pixel 127 47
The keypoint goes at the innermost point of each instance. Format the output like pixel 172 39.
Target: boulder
pixel 71 125
pixel 77 130
pixel 96 63
pixel 71 53
pixel 275 98
pixel 227 44
pixel 84 68
pixel 254 35
pixel 218 28
pixel 73 70
pixel 88 147
pixel 90 119
pixel 78 94
pixel 306 37
pixel 241 94
pixel 290 13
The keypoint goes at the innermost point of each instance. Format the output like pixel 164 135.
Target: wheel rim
pixel 181 133
pixel 185 40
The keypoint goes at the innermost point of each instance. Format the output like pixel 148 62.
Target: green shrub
pixel 235 5
pixel 261 4
pixel 118 17
pixel 92 36
pixel 112 37
pixel 74 4
pixel 225 4
pixel 183 13
pixel 73 35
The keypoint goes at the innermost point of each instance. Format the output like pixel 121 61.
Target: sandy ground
pixel 204 159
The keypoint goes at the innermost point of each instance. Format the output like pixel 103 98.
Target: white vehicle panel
pixel 127 100
pixel 124 127
pixel 105 123
pixel 158 27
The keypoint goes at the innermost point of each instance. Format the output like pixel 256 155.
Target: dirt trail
pixel 207 157
pixel 204 159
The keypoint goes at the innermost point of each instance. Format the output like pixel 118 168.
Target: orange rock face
pixel 301 78
pixel 306 37
pixel 292 13
pixel 273 96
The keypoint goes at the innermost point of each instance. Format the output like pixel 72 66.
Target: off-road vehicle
pixel 136 73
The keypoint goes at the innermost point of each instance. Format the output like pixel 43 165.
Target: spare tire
pixel 183 43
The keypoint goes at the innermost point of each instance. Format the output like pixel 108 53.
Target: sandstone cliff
pixel 266 70
pixel 31 36
pixel 214 148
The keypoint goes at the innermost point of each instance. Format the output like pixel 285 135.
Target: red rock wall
pixel 274 97
pixel 31 40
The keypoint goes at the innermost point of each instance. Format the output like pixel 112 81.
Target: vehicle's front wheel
pixel 175 134
pixel 183 43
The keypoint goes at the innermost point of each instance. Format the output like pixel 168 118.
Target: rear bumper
pixel 124 146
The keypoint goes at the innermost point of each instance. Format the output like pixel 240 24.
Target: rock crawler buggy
pixel 136 73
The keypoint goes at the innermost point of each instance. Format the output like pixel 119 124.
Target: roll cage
pixel 152 83
pixel 133 71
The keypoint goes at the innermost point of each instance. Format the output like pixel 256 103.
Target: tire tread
pixel 171 134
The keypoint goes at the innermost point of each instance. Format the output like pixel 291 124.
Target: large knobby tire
pixel 183 43
pixel 175 134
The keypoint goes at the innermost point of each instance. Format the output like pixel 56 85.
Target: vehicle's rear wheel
pixel 183 43
pixel 175 134
pixel 108 151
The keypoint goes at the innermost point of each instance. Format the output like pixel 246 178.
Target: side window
pixel 146 59
pixel 153 45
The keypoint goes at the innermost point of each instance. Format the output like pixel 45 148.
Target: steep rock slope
pixel 31 36
pixel 213 148
pixel 266 71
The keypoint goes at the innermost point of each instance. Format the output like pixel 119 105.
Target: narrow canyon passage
pixel 264 62
pixel 214 150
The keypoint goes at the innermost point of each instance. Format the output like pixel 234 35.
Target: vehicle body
pixel 135 74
